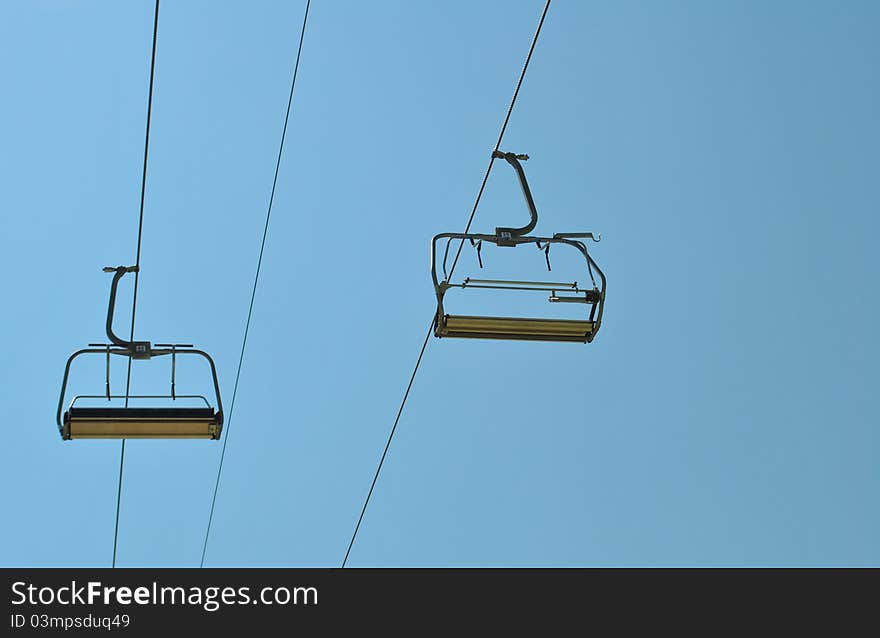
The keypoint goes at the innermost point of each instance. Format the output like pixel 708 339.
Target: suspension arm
pixel 137 349
pixel 504 233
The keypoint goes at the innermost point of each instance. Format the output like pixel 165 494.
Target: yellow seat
pixel 514 328
pixel 141 423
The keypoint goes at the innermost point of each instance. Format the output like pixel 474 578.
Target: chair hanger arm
pixel 138 349
pixel 514 160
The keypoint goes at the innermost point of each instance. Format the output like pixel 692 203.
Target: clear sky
pixel 726 414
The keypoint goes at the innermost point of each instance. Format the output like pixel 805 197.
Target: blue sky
pixel 727 152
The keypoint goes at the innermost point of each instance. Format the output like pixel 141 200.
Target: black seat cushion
pixel 147 414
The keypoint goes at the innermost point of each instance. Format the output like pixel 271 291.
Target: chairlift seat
pixel 526 329
pixel 567 330
pixel 169 422
pixel 141 423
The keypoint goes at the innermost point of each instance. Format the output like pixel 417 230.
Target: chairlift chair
pixel 519 328
pixel 167 422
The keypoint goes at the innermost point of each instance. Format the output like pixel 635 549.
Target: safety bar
pixel 550 284
pixel 554 297
pixel 137 349
pixel 138 396
pixel 126 353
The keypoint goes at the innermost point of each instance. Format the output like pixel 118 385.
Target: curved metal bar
pixel 510 233
pixel 440 288
pixel 126 353
pixel 119 273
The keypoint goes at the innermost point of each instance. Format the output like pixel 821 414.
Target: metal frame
pixel 512 237
pixel 125 353
pixel 596 301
